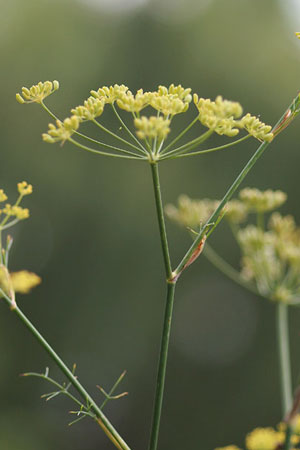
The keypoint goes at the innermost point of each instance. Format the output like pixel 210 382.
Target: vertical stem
pixel 163 357
pixel 161 220
pixel 162 365
pixel 284 357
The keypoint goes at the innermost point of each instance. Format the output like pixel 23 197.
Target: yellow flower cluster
pixel 24 188
pixel 219 115
pixel 38 92
pixel 262 201
pixel 21 282
pixel 110 94
pixel 92 108
pixel 134 103
pixel 177 92
pixel 152 127
pixel 256 128
pixel 15 210
pixel 62 131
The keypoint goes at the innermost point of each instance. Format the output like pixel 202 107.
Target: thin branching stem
pixel 194 143
pixel 101 418
pixel 61 388
pixel 127 129
pixel 180 135
pixel 92 150
pixel 111 133
pixel 208 150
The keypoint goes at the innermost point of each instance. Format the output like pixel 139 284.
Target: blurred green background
pixel 93 235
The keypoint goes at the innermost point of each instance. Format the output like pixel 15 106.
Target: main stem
pixel 284 357
pixel 101 418
pixel 163 357
pixel 161 219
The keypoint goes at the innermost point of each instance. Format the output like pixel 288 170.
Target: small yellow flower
pixel 131 103
pixel 177 92
pixel 62 131
pixel 3 196
pixel 219 115
pixel 18 211
pixel 24 188
pixel 152 127
pixel 256 128
pixel 169 105
pixel 92 108
pixel 110 94
pixel 23 281
pixel 38 92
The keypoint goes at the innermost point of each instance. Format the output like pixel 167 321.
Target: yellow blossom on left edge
pixel 23 281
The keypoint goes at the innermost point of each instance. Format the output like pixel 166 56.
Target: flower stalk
pixel 284 357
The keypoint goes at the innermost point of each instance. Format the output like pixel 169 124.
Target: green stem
pixel 284 356
pixel 180 135
pixel 73 379
pixel 162 365
pixel 161 220
pixel 103 128
pixel 188 146
pixel 229 194
pixel 208 150
pixel 92 150
pixel 126 128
